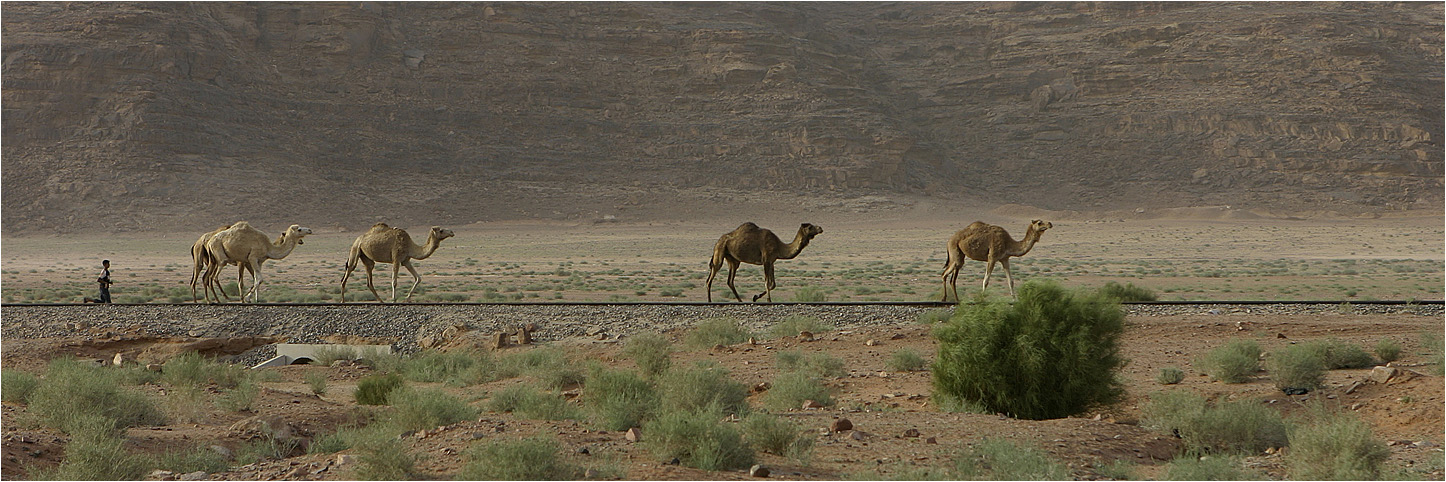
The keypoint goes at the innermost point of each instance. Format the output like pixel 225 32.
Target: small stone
pixel 675 461
pixel 856 435
pixel 1384 374
pixel 500 341
pixel 840 425
pixel 758 470
pixel 633 435
pixel 762 387
pixel 897 336
pixel 524 336
pixel 805 336
pixel 931 440
pixel 911 433
pixel 583 451
pixel 807 404
pixel 119 359
pixel 1351 389
pixel 160 474
pixel 197 475
pixel 1280 335
pixel 752 341
pixel 871 342
pixel 346 459
pixel 155 367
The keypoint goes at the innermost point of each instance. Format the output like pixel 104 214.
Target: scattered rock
pixel 500 341
pixel 524 335
pixel 762 387
pixel 1353 387
pixel 1383 375
pixel 857 435
pixel 119 359
pixel 807 404
pixel 758 470
pixel 633 435
pixel 897 336
pixel 911 433
pixel 197 475
pixel 805 336
pixel 840 425
pixel 223 452
pixel 871 342
pixel 931 440
pixel 345 459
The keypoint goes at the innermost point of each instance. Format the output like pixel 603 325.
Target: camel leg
pixel 396 268
pixel 1008 277
pixel 255 291
pixel 209 279
pixel 951 276
pixel 712 272
pixel 369 264
pixel 733 271
pixel 768 283
pixel 988 271
pixel 416 277
pixel 346 275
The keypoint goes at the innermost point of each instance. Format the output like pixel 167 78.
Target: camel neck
pixel 425 251
pixel 1023 247
pixel 792 249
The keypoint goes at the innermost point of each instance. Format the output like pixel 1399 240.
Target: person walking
pixel 104 281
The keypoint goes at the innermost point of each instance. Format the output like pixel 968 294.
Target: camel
pixel 248 247
pixel 990 244
pixel 385 244
pixel 201 260
pixel 754 245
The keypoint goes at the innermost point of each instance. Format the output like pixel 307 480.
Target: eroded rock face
pixel 141 107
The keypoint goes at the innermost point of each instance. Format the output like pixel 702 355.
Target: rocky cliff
pixel 127 116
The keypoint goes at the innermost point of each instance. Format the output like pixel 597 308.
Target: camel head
pixel 1040 226
pixel 809 230
pixel 440 233
pixel 298 232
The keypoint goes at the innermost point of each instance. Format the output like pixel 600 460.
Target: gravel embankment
pixel 407 323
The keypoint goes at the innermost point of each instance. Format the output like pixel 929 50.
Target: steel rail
pixel 704 303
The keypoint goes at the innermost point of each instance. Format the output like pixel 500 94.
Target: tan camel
pixel 248 247
pixel 201 260
pixel 385 244
pixel 754 245
pixel 990 244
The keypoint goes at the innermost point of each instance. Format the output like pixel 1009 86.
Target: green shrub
pixel 791 389
pixel 1128 292
pixel 906 360
pixel 796 324
pixel 815 364
pixel 549 365
pixel 263 449
pixel 1170 376
pixel 190 368
pixel 1242 427
pixel 384 459
pixel 651 351
pixel 1000 459
pixel 96 452
pixel 716 331
pixel 933 317
pixel 72 389
pixel 1235 362
pixel 1388 350
pixel 317 382
pixel 775 435
pixel 1119 469
pixel 425 408
pixel 239 399
pixel 690 388
pixel 16 386
pixel 1051 354
pixel 619 400
pixel 698 438
pixel 529 402
pixel 376 389
pixel 201 459
pixel 460 368
pixel 1337 354
pixel 1335 446
pixel 1210 467
pixel 327 355
pixel 1297 368
pixel 533 458
pixel 809 294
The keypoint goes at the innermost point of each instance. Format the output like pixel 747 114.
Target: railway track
pixel 926 304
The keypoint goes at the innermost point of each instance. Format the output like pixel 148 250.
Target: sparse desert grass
pixel 241 398
pixel 651 351
pixel 190 368
pixel 1118 469
pixel 1001 459
pixel 383 459
pixel 425 408
pixel 262 449
pixel 535 458
pixel 16 386
pixel 1239 427
pixel 1235 362
pixel 809 294
pixel 697 438
pixel 619 400
pixel 1297 367
pixel 693 387
pixel 1053 353
pixel 195 459
pixel 1334 446
pixel 96 452
pixel 531 402
pixel 1128 292
pixel 794 325
pixel 1388 350
pixel 459 368
pixel 1216 467
pixel 906 360
pixel 73 390
pixel 776 435
pixel 716 331
pixel 1336 354
pixel 549 365
pixel 791 389
pixel 317 382
pixel 817 364
pixel 377 389
pixel 1170 376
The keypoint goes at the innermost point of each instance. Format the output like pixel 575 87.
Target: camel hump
pixel 240 225
pixel 379 226
pixel 748 226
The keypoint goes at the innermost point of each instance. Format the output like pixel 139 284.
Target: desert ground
pixel 1203 254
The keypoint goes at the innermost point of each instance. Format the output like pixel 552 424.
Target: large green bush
pixel 1235 362
pixel 1335 446
pixel 619 400
pixel 1240 427
pixel 535 458
pixel 1053 353
pixel 1297 368
pixel 705 382
pixel 697 438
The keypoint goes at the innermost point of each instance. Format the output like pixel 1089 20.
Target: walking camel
pixel 990 244
pixel 754 245
pixel 385 244
pixel 248 247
